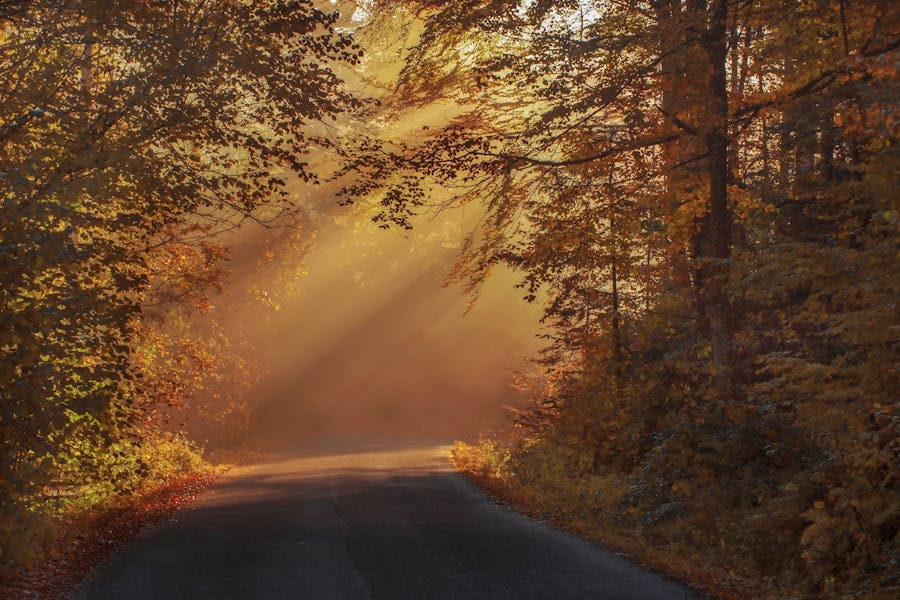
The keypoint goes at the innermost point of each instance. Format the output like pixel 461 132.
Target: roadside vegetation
pixel 133 137
pixel 704 198
pixel 78 539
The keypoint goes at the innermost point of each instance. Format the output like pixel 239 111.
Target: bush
pixel 488 459
pixel 169 456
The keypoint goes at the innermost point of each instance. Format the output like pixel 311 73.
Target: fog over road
pixel 380 520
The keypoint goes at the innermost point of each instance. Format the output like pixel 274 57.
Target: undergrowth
pixel 765 525
pixel 32 529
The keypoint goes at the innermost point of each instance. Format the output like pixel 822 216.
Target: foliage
pixel 169 456
pixel 704 196
pixel 84 538
pixel 131 136
pixel 488 460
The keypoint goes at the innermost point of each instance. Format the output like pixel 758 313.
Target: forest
pixel 700 196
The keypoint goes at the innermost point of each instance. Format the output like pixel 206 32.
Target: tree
pixel 127 128
pixel 628 81
pixel 749 148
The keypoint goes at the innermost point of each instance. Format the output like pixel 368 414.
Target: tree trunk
pixel 676 71
pixel 87 59
pixel 695 40
pixel 713 243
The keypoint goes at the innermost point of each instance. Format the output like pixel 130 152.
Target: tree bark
pixel 695 40
pixel 713 245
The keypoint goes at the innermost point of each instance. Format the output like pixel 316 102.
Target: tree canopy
pixel 705 194
pixel 130 133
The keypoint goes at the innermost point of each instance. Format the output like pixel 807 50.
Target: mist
pixel 357 332
pixel 360 335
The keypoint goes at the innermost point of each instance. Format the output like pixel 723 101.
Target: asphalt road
pixel 383 522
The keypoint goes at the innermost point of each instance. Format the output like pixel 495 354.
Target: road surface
pixel 380 522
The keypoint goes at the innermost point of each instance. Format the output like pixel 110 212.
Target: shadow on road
pixel 381 523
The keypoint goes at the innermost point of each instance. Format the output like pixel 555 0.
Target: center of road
pixel 385 520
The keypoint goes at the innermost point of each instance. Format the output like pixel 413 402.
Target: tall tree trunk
pixel 676 73
pixel 615 324
pixel 713 243
pixel 87 59
pixel 695 41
